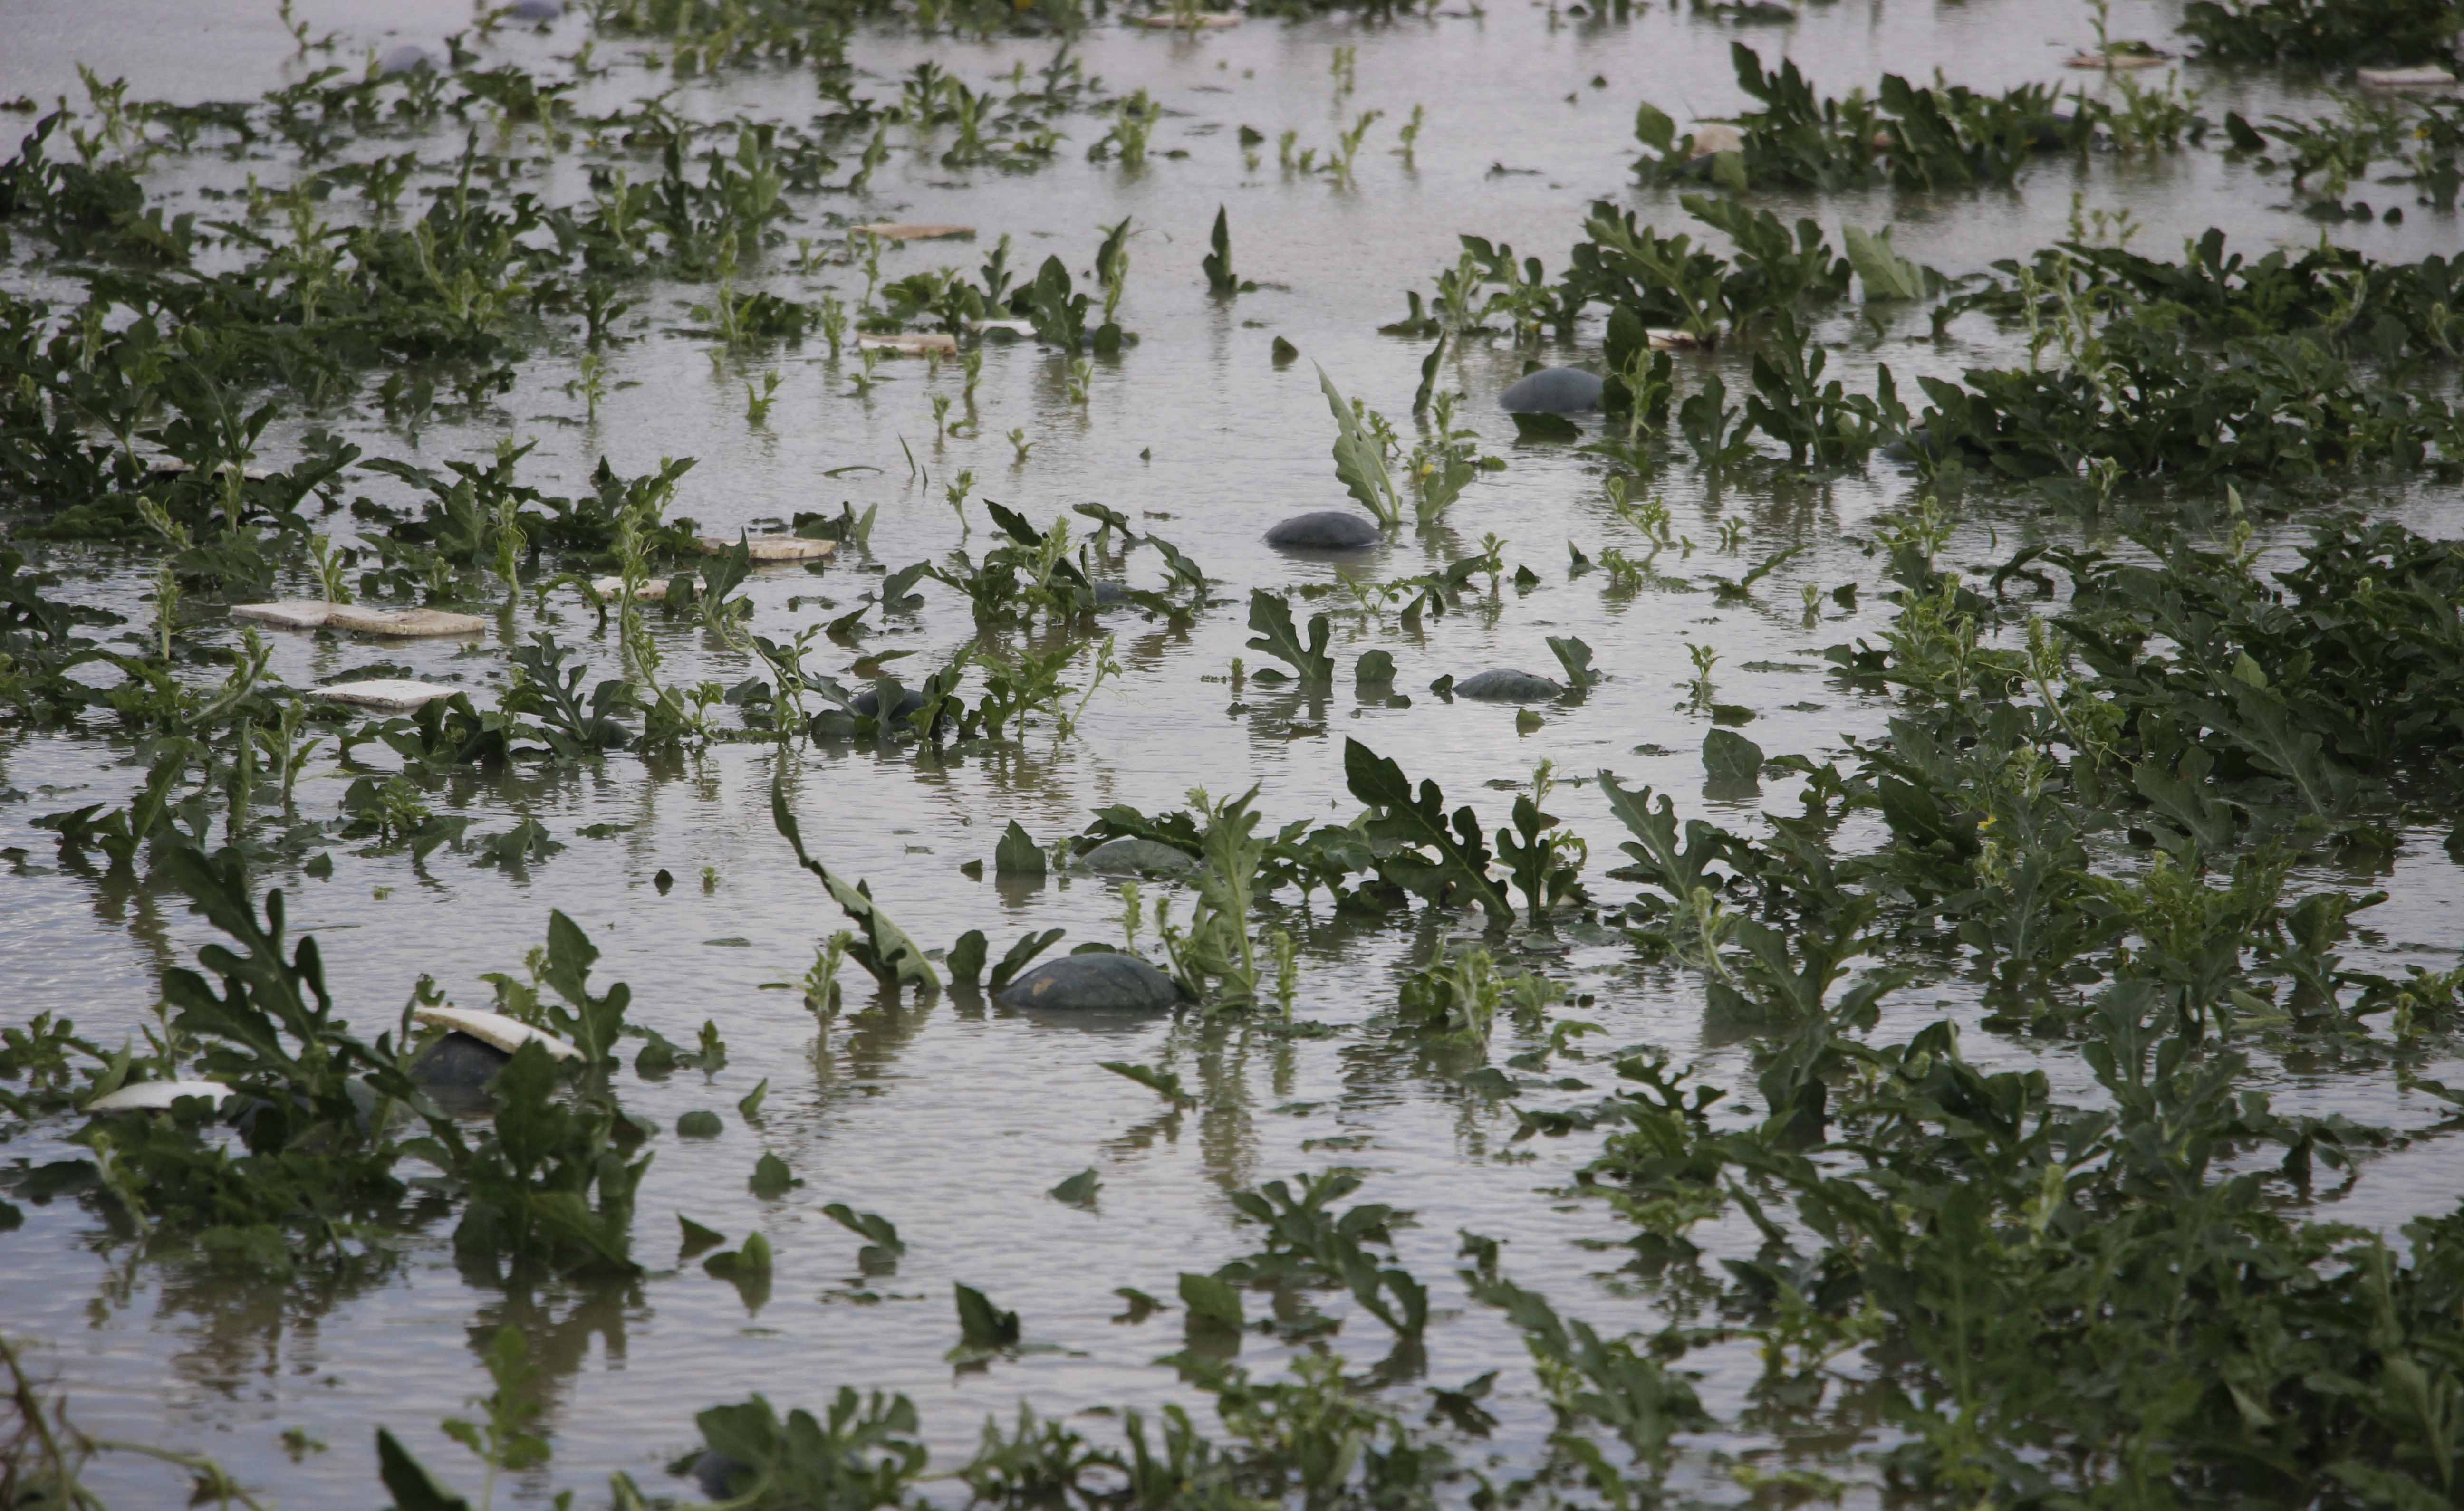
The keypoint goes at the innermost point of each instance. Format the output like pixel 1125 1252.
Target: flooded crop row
pixel 796 754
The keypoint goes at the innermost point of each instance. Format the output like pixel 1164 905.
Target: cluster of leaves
pixel 1033 572
pixel 2422 138
pixel 1937 138
pixel 1657 288
pixel 314 312
pixel 39 644
pixel 181 323
pixel 2328 687
pixel 1456 1000
pixel 1059 313
pixel 475 517
pixel 2069 1298
pixel 2222 718
pixel 1405 843
pixel 1673 283
pixel 1316 1433
pixel 1308 1244
pixel 716 33
pixel 2147 397
pixel 2285 368
pixel 2072 1298
pixel 80 396
pixel 2322 33
pixel 1315 1437
pixel 297 1160
pixel 2392 313
pixel 543 716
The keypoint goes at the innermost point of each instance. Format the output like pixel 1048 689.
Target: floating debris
pixel 900 231
pixel 290 614
pixel 1713 137
pixel 911 343
pixel 770 548
pixel 155 1096
pixel 654 591
pixel 388 695
pixel 2429 78
pixel 408 624
pixel 475 1047
pixel 404 624
pixel 175 467
pixel 494 1030
pixel 1205 21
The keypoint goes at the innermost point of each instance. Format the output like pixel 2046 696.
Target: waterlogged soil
pixel 951 1116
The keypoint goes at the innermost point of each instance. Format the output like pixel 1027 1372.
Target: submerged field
pixel 1949 994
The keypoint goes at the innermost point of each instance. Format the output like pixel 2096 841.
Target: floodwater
pixel 951 1118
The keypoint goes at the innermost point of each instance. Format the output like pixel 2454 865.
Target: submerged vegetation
pixel 2041 1021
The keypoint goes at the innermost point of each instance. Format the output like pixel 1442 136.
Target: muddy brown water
pixel 954 1119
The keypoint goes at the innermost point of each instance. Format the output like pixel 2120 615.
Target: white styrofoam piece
pixel 1713 137
pixel 494 1029
pixel 308 613
pixel 155 1096
pixel 771 548
pixel 175 467
pixel 294 613
pixel 614 587
pixel 404 624
pixel 388 695
pixel 2428 79
pixel 910 343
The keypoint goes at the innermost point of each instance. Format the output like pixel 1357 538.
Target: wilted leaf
pixel 1270 616
pixel 1359 462
pixel 752 1258
pixel 1729 758
pixel 1576 658
pixel 1212 1302
pixel 697 1238
pixel 983 1327
pixel 771 1178
pixel 1017 854
pixel 408 1481
pixel 1164 1084
pixel 885 950
pixel 1887 275
pixel 1419 820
